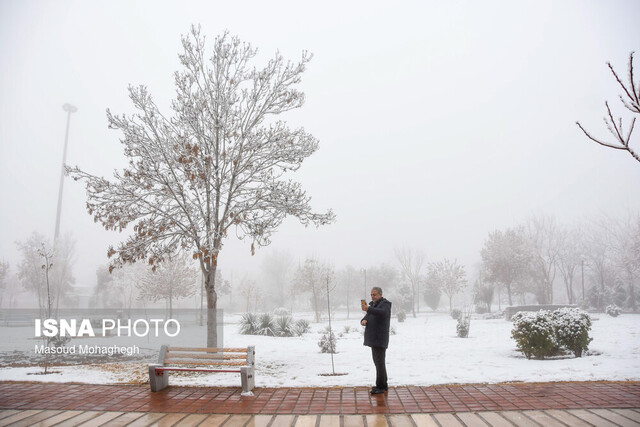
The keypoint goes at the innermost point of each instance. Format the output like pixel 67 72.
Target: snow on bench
pixel 241 360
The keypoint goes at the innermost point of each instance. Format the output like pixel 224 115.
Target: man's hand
pixel 364 306
pixel 363 322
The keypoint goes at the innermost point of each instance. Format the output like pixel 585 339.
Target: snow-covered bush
pixel 401 316
pixel 455 314
pixel 284 326
pixel 572 327
pixel 301 327
pixel 281 311
pixel 327 342
pixel 266 325
pixel 462 328
pixel 249 324
pixel 534 333
pixel 612 310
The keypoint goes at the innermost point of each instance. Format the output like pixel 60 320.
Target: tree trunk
pixel 212 306
pixel 509 293
pixel 413 303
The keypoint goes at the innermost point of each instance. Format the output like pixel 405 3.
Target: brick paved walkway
pixel 300 401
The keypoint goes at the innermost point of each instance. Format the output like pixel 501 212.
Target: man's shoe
pixel 375 390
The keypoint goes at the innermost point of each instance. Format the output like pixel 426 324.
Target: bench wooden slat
pixel 170 361
pixel 162 369
pixel 175 355
pixel 209 350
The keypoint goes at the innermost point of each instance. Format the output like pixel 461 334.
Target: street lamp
pixel 365 282
pixel 69 109
pixel 582 268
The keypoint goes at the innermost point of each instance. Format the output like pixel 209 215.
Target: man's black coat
pixel 378 317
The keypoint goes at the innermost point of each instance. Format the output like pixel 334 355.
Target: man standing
pixel 376 335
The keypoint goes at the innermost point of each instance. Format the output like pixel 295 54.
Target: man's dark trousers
pixel 378 354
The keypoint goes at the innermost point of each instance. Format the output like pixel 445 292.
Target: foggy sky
pixel 438 121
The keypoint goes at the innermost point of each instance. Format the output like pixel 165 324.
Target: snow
pixel 424 351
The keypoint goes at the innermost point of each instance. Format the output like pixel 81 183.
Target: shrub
pixel 347 329
pixel 401 316
pixel 266 325
pixel 572 327
pixel 284 326
pixel 432 297
pixel 327 342
pixel 612 310
pixel 301 327
pixel 248 324
pixel 534 333
pixel 462 328
pixel 455 314
pixel 281 311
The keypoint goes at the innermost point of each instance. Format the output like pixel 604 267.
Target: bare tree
pixel 172 280
pixel 631 100
pixel 600 261
pixel 543 238
pixel 449 276
pixel 347 287
pixel 248 289
pixel 505 259
pixel 570 257
pixel 126 282
pixel 276 269
pixel 311 277
pixel 4 279
pixel 217 166
pixel 625 235
pixel 411 263
pixel 30 271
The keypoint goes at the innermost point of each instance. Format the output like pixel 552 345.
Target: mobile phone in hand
pixel 363 301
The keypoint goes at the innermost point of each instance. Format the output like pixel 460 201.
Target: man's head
pixel 376 293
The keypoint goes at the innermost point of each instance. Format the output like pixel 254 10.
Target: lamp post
pixel 365 281
pixel 582 269
pixel 69 109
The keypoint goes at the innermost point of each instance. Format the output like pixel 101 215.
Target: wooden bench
pixel 190 359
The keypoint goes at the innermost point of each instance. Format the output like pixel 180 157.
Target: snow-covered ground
pixel 424 351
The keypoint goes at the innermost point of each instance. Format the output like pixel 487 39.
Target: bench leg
pixel 158 382
pixel 247 376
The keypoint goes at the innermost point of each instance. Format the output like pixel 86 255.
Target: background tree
pixel 543 237
pixel 570 254
pixel 4 279
pixel 276 268
pixel 249 291
pixel 625 235
pixel 386 277
pixel 483 292
pixel 104 293
pixel 631 101
pixel 449 276
pixel 30 271
pixel 347 287
pixel 411 263
pixel 171 280
pixel 215 166
pixel 599 256
pixel 311 277
pixel 432 292
pixel 126 282
pixel 505 259
pixel 62 278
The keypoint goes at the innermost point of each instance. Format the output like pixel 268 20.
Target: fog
pixel 438 122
